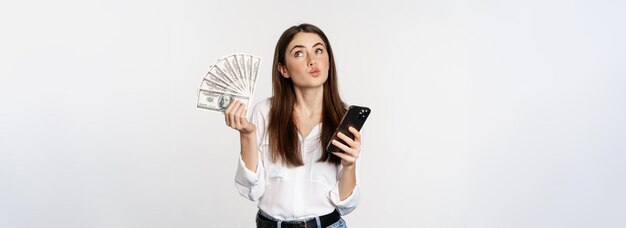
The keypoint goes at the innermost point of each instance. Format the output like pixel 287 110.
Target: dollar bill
pixel 218 75
pixel 227 71
pixel 239 69
pixel 213 86
pixel 217 101
pixel 239 59
pixel 254 71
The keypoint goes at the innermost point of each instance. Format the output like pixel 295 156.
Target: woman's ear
pixel 283 70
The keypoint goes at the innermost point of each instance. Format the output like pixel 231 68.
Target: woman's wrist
pixel 246 135
pixel 349 167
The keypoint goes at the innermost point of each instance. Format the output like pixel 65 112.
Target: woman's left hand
pixel 351 150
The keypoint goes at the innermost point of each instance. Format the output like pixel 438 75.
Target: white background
pixel 485 113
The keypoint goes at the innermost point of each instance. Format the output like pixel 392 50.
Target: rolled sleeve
pixel 250 184
pixel 347 205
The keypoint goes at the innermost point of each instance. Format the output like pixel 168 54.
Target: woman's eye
pixel 318 51
pixel 298 54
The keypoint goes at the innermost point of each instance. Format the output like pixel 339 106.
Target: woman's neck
pixel 309 101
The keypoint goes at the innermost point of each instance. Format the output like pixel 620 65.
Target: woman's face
pixel 306 60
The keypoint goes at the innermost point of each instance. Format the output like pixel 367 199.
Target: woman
pixel 283 162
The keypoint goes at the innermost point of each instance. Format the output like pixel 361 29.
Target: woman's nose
pixel 312 59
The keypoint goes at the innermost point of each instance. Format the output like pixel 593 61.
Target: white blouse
pixel 294 193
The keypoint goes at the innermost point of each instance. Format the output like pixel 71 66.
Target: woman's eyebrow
pixel 302 46
pixel 297 46
pixel 319 44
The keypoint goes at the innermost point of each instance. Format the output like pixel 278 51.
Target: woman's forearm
pixel 347 181
pixel 249 153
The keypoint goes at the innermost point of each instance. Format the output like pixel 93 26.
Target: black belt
pixel 325 220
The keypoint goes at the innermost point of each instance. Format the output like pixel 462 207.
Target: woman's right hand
pixel 235 115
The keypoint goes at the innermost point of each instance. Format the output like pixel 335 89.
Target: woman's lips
pixel 315 72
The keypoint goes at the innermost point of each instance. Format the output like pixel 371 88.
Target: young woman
pixel 283 162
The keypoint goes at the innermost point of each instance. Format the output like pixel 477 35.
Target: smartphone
pixel 354 117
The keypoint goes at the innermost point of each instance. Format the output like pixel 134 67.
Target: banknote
pixel 216 101
pixel 254 71
pixel 224 71
pixel 213 86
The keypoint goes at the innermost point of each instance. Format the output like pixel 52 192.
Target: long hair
pixel 282 131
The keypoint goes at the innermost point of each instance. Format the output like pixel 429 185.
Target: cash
pixel 230 78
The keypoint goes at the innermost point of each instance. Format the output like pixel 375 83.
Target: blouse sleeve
pixel 251 184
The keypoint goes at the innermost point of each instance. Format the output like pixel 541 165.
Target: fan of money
pixel 231 78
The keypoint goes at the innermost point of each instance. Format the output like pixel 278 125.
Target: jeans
pixel 339 224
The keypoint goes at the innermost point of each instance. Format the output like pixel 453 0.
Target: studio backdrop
pixel 484 113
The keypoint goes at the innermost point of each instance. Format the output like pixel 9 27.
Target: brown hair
pixel 282 131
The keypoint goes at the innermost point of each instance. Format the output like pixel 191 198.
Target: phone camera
pixel 362 116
